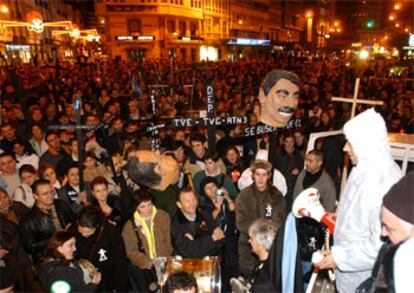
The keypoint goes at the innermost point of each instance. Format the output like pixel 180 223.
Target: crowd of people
pixel 67 201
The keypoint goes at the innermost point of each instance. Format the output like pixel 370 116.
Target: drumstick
pixel 312 281
pixel 331 273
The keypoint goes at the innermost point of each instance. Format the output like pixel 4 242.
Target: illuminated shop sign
pixel 251 42
pixel 18 47
pixel 135 38
pixel 124 38
pixel 411 40
pixel 190 38
pixel 146 38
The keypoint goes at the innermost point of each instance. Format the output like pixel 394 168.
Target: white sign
pixel 411 40
pixel 146 38
pixel 125 38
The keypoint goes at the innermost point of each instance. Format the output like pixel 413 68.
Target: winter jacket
pixel 162 239
pixel 36 227
pixel 117 215
pixel 56 270
pixel 223 180
pixel 17 258
pixel 324 185
pixel 201 230
pixel 109 257
pixel 250 206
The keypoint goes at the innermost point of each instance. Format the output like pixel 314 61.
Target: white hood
pixel 367 134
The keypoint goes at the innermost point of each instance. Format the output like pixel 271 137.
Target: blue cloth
pixel 136 86
pixel 3 183
pixel 290 247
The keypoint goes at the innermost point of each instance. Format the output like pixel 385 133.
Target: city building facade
pixel 18 44
pixel 176 29
pixel 195 30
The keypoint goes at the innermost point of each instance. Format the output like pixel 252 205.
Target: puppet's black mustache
pixel 287 110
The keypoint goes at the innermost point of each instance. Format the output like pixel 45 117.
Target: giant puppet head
pixel 278 96
pixel 152 169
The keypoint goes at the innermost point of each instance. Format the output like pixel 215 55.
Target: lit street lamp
pixel 4 9
pixel 309 23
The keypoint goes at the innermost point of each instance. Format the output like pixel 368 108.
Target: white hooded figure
pixel 358 226
pixel 278 181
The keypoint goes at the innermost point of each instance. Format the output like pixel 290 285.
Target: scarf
pixel 147 231
pixel 54 216
pixel 310 178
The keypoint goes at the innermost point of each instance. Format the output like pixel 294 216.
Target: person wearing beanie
pixel 357 236
pixel 397 216
pixel 259 200
pixel 393 268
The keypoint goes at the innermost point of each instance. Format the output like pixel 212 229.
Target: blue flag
pixel 136 86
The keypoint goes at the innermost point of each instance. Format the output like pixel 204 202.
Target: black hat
pixel 205 181
pixel 400 198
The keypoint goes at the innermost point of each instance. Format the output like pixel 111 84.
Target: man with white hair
pixel 358 226
pixel 262 234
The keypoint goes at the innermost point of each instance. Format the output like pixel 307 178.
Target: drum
pixel 206 271
pixel 88 270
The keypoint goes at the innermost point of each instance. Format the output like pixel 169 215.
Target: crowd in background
pixel 51 216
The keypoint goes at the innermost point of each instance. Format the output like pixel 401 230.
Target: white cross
pixel 268 211
pixel 355 99
pixel 354 102
pixel 312 243
pixel 102 256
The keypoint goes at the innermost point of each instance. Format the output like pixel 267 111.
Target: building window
pixel 134 26
pixel 171 26
pixel 193 29
pixel 208 25
pixel 183 28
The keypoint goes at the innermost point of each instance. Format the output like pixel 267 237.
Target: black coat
pixel 19 209
pixel 262 281
pixel 56 270
pixel 117 216
pixel 37 227
pixel 201 230
pixel 127 200
pixel 109 256
pixel 17 257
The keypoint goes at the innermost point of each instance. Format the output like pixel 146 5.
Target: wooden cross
pixel 153 128
pixel 354 102
pixel 211 120
pixel 355 99
pixel 79 136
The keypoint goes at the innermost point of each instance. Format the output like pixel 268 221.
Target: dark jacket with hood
pixel 108 256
